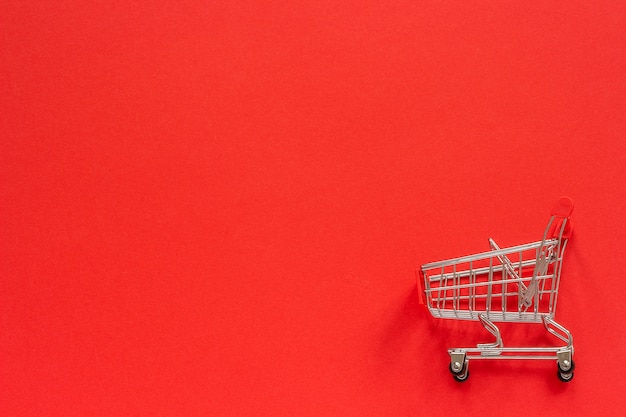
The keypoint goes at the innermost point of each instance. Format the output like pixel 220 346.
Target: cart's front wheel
pixel 459 372
pixel 463 377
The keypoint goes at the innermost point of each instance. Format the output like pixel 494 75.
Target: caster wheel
pixel 462 378
pixel 460 374
pixel 565 375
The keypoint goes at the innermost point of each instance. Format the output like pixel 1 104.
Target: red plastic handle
pixel 563 210
pixel 563 207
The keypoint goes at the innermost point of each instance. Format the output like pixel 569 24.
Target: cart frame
pixel 513 284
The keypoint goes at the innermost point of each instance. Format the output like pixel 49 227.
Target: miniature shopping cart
pixel 514 284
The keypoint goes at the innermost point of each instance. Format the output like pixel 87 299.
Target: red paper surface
pixel 217 209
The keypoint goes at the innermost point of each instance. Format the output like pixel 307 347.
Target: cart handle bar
pixel 563 207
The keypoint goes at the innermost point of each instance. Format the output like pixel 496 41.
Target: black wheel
pixel 462 377
pixel 565 376
pixel 462 374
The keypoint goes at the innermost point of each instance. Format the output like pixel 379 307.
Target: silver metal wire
pixel 483 278
pixel 514 284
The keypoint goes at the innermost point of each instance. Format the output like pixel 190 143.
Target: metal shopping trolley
pixel 514 284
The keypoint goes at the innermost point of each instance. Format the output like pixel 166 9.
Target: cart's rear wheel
pixel 565 375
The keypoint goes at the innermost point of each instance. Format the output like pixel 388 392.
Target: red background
pixel 217 209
